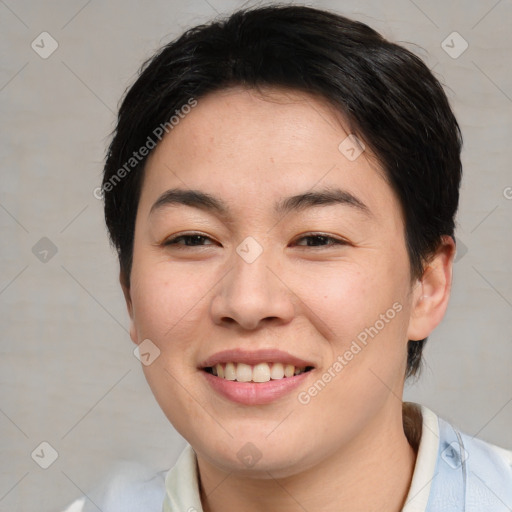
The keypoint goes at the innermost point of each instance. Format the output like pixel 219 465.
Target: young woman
pixel 281 189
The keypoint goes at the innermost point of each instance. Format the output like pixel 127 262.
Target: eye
pixel 189 240
pixel 319 240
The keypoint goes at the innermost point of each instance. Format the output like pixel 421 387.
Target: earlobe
pixel 129 306
pixel 432 292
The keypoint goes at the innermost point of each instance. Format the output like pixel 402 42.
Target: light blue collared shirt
pixel 453 473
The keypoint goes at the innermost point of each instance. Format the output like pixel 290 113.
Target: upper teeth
pixel 261 372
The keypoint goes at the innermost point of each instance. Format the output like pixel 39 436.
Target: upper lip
pixel 253 357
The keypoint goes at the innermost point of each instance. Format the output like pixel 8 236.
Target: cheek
pixel 169 303
pixel 362 314
pixel 347 298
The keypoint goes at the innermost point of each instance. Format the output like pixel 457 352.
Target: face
pixel 288 256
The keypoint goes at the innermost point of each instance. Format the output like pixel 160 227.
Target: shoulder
pixel 483 471
pixel 479 456
pixel 489 472
pixel 129 486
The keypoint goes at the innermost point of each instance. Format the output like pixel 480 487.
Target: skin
pixel 347 445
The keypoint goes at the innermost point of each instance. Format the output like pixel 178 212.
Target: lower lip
pixel 251 393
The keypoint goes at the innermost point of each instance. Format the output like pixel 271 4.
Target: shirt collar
pixel 426 459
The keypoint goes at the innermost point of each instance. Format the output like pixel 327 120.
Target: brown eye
pixel 319 240
pixel 189 240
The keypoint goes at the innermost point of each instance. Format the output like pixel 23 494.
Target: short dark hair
pixel 387 94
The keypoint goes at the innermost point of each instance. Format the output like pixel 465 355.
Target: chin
pixel 256 456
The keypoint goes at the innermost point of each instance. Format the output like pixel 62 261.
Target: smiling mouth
pixel 261 372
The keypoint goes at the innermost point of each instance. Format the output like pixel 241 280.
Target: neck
pixel 372 474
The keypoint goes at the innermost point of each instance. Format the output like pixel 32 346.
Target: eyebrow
pixel 195 198
pixel 299 202
pixel 325 197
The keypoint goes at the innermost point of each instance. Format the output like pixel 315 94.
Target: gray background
pixel 68 374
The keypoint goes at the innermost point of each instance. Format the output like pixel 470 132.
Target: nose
pixel 251 294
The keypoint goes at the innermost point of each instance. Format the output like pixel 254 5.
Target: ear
pixel 127 297
pixel 432 292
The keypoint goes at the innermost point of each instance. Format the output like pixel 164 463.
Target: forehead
pixel 266 123
pixel 255 147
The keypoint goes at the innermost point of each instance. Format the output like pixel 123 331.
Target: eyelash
pixel 332 241
pixel 173 241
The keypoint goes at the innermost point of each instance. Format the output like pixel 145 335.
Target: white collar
pixel 426 459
